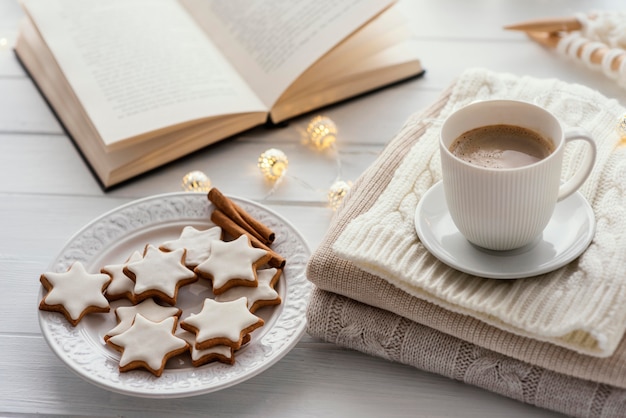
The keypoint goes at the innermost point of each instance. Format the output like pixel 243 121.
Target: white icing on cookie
pixel 233 260
pixel 121 285
pixel 264 292
pixel 160 271
pixel 76 290
pixel 222 353
pixel 150 343
pixel 149 309
pixel 196 242
pixel 228 321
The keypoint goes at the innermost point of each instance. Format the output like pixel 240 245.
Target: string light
pixel 196 181
pixel 338 190
pixel 322 132
pixel 273 164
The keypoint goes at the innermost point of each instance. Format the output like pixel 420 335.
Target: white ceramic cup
pixel 507 208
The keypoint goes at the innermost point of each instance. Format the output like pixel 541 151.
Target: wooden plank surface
pixel 47 193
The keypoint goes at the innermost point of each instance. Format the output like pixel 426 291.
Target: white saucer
pixel 567 235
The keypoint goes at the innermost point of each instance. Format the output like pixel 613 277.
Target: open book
pixel 139 83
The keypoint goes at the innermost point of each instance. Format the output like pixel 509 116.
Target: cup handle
pixel 571 185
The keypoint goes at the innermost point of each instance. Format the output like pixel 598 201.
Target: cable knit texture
pixel 333 274
pixel 380 333
pixel 579 306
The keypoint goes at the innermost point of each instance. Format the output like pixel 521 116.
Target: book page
pixel 272 42
pixel 382 33
pixel 114 166
pixel 139 65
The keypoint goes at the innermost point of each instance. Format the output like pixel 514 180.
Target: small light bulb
pixel 338 190
pixel 322 132
pixel 196 181
pixel 273 164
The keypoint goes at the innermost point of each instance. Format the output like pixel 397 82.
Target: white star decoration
pixel 221 353
pixel 232 260
pixel 120 286
pixel 149 309
pixel 148 344
pixel 160 271
pixel 263 294
pixel 196 242
pixel 221 323
pixel 76 291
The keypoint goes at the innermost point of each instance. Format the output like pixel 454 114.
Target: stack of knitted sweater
pixel 554 340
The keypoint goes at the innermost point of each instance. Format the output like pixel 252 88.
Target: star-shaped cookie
pixel 148 308
pixel 232 263
pixel 221 353
pixel 159 274
pixel 221 323
pixel 74 293
pixel 196 242
pixel 121 285
pixel 148 344
pixel 262 295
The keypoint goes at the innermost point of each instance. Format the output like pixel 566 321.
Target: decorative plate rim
pixel 287 325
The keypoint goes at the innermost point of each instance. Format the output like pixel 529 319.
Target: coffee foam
pixel 501 146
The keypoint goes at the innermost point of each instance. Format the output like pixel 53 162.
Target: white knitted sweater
pixel 581 306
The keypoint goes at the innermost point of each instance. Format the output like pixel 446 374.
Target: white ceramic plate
pixel 566 236
pixel 111 238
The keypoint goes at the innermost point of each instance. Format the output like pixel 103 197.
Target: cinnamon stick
pixel 242 218
pixel 231 227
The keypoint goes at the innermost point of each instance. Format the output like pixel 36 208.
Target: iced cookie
pixel 222 353
pixel 147 344
pixel 74 293
pixel 232 263
pixel 121 285
pixel 196 242
pixel 159 274
pixel 148 308
pixel 221 323
pixel 257 297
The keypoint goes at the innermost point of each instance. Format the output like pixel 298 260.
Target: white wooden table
pixel 47 193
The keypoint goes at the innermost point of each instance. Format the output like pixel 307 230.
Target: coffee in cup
pixel 501 146
pixel 501 164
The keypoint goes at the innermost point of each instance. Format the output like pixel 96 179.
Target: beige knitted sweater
pixel 581 306
pixel 351 324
